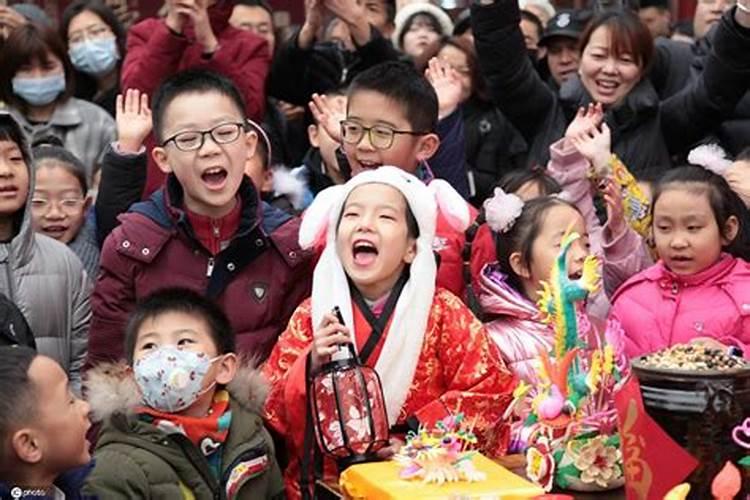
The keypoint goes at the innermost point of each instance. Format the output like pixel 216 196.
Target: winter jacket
pixel 14 329
pixel 493 147
pixel 258 279
pixel 658 308
pixel 298 73
pixel 516 326
pixel 623 255
pixel 155 53
pixel 645 130
pixel 47 282
pixel 68 484
pixel 136 459
pixel 457 368
pixel 84 129
pixel 85 246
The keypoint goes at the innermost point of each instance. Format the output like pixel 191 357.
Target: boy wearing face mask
pixel 181 420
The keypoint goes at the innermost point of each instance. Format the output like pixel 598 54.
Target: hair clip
pixel 711 157
pixel 502 210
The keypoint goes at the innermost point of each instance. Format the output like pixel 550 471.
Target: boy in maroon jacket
pixel 204 229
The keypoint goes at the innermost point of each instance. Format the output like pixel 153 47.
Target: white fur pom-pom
pixel 502 210
pixel 316 218
pixel 453 207
pixel 711 157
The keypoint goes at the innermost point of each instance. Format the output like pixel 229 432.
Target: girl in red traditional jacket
pixel 378 267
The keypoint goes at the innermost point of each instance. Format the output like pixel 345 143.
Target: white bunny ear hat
pixel 403 343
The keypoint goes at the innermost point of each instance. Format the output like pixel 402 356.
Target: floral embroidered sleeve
pixel 477 382
pixel 286 359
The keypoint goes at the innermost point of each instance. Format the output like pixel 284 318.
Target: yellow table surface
pixel 380 480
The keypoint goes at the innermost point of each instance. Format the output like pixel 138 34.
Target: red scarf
pixel 207 433
pixel 215 234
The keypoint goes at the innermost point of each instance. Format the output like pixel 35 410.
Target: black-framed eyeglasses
pixel 192 140
pixel 381 136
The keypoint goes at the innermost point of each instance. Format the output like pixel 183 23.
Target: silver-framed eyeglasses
pixel 65 205
pixel 193 140
pixel 381 136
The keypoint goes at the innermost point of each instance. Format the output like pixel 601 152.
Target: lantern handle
pixel 341 354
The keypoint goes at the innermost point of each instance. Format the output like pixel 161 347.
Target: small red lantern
pixel 348 408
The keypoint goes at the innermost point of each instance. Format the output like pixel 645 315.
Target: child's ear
pixel 226 368
pixel 519 266
pixel 26 446
pixel 159 154
pixel 411 252
pixel 87 203
pixel 427 146
pixel 312 135
pixel 251 139
pixel 731 228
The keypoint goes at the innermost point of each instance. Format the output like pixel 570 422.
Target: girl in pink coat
pixel 699 291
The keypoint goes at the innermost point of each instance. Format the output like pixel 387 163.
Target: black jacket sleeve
pixel 515 85
pixel 692 113
pixel 123 179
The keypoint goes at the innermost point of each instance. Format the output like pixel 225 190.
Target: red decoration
pixel 351 422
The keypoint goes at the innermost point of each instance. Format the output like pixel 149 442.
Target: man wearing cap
pixel 656 16
pixel 561 40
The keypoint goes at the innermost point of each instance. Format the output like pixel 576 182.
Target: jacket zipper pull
pixel 210 267
pixel 215 228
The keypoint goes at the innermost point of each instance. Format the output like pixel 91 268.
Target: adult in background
pixel 96 45
pixel 493 146
pixel 617 50
pixel 36 82
pixel 560 40
pixel 655 14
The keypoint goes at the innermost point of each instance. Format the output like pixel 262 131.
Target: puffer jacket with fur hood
pixel 135 459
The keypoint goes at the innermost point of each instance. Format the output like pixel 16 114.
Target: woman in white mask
pixel 96 46
pixel 36 83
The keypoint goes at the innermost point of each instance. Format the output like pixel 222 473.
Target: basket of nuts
pixel 697 394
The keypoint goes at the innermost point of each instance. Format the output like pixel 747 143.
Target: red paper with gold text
pixel 654 463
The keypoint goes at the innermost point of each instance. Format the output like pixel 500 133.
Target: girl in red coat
pixel 378 267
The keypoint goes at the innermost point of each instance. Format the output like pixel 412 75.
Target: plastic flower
pixel 502 210
pixel 540 464
pixel 598 462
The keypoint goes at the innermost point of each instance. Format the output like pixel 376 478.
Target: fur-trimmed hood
pixel 110 388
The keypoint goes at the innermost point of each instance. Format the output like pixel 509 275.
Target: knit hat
pixel 403 344
pixel 406 13
pixel 543 4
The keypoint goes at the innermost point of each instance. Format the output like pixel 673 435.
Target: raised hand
pixel 314 18
pixel 352 13
pixel 447 85
pixel 133 120
pixel 586 119
pixel 10 19
pixel 179 12
pixel 595 145
pixel 615 210
pixel 328 115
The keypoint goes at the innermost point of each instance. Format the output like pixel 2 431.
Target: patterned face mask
pixel 171 379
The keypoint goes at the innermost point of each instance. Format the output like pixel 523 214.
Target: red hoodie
pixel 155 53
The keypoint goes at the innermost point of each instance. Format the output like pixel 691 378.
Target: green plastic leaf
pixel 745 462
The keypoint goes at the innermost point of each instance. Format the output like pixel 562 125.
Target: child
pixel 392 116
pixel 60 203
pixel 700 288
pixel 43 277
pixel 203 230
pixel 195 34
pixel 43 429
pixel 165 436
pixel 432 355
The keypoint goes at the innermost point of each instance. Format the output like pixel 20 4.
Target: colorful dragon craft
pixel 566 422
pixel 567 384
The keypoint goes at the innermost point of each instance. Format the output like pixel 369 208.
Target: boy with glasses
pixel 203 230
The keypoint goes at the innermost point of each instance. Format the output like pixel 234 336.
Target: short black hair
pixel 18 396
pixel 533 19
pixel 56 156
pixel 514 180
pixel 744 155
pixel 11 131
pixel 401 83
pixel 177 299
pixel 256 3
pixel 190 82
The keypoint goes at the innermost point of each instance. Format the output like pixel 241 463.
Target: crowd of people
pixel 185 199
